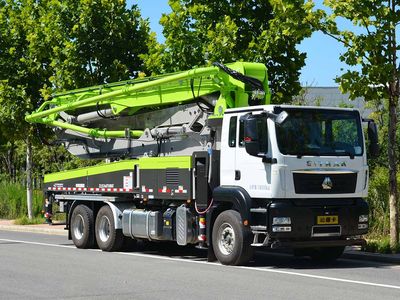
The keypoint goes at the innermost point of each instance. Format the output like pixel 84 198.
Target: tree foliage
pixel 373 47
pixel 201 32
pixel 48 45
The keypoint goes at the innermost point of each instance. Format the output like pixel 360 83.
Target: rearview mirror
pixel 251 135
pixel 281 118
pixel 373 138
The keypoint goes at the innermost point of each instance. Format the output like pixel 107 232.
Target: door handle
pixel 237 174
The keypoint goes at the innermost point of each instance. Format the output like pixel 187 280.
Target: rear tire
pixel 326 254
pixel 108 238
pixel 231 240
pixel 82 227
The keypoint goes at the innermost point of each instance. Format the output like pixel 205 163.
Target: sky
pixel 322 63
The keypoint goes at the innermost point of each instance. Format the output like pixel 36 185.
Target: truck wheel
pixel 108 238
pixel 231 240
pixel 82 227
pixel 326 254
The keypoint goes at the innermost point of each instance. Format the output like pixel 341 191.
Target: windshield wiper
pixel 341 153
pixel 313 153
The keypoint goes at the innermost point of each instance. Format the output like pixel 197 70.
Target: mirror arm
pixel 269 160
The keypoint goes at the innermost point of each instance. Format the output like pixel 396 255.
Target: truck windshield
pixel 321 133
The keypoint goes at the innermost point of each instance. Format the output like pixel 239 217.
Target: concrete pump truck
pixel 201 157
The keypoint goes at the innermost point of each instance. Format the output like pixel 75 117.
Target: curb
pixel 33 229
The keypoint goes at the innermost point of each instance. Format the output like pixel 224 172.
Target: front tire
pixel 108 238
pixel 231 239
pixel 82 227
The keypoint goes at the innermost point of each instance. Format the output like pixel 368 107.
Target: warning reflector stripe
pixel 146 189
pixel 181 191
pixel 89 189
pixel 164 190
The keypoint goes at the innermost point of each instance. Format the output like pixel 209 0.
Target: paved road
pixel 38 266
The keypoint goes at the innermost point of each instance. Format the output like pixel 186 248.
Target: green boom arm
pixel 240 84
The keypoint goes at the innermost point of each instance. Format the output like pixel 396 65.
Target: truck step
pixel 260 239
pixel 261 210
pixel 258 228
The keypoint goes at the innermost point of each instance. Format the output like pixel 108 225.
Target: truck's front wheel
pixel 231 240
pixel 108 238
pixel 82 227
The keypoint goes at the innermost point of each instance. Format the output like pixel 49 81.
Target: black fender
pixel 237 196
pixel 240 201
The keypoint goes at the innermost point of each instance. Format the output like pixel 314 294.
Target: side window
pixel 232 132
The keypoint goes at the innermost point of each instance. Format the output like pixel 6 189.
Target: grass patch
pixel 25 221
pixel 380 245
pixel 13 201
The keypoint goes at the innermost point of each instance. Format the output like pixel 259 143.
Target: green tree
pixel 373 47
pixel 53 44
pixel 202 32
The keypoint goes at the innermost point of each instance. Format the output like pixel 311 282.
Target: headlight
pixel 281 229
pixel 362 226
pixel 281 221
pixel 363 218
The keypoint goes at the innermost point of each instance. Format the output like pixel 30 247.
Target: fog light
pixel 362 226
pixel 281 221
pixel 281 229
pixel 363 218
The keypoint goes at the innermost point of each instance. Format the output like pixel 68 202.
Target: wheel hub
pixel 227 239
pixel 104 229
pixel 79 227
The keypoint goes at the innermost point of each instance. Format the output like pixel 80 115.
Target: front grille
pixel 312 183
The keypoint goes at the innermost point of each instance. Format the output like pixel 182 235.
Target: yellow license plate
pixel 322 220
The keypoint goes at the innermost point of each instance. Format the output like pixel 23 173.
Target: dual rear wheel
pixel 85 231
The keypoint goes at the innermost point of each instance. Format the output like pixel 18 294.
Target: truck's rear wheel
pixel 82 227
pixel 231 240
pixel 326 254
pixel 108 238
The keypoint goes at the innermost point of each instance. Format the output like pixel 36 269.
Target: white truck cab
pixel 305 168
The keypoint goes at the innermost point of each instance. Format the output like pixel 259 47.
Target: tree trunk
pixel 392 145
pixel 29 191
pixel 393 190
pixel 10 163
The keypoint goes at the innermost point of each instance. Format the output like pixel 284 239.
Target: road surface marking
pixel 217 264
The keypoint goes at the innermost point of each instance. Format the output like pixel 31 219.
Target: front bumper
pixel 304 227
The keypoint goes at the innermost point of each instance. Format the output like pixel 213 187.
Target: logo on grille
pixel 326 164
pixel 327 183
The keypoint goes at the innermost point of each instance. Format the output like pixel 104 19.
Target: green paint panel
pixel 87 171
pixel 180 162
pixel 145 163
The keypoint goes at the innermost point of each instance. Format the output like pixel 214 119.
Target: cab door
pixel 238 168
pixel 254 174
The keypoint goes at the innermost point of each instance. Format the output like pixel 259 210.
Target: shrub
pixel 378 196
pixel 380 245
